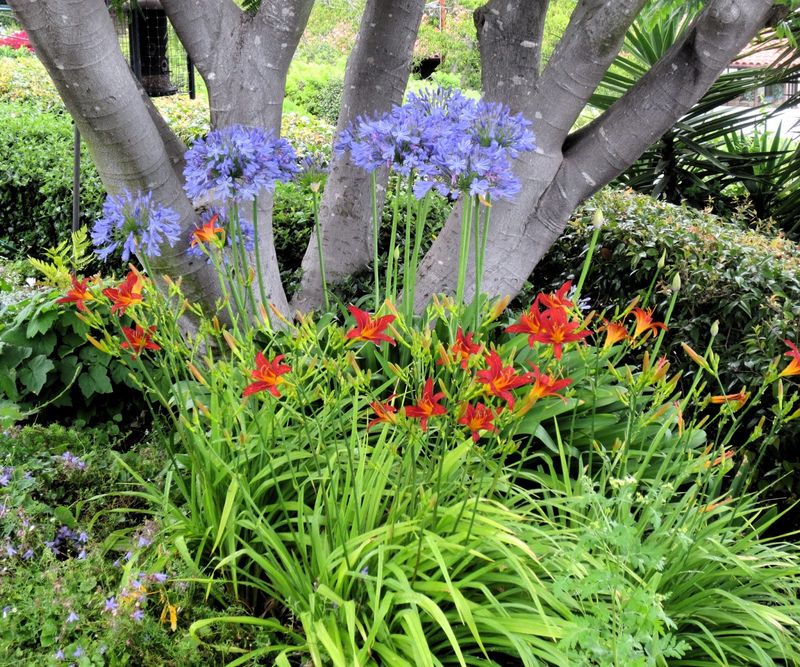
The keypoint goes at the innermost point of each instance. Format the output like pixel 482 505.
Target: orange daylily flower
pixel 557 330
pixel 794 365
pixel 369 329
pixel 546 385
pixel 462 349
pixel 528 323
pixel 729 454
pixel 712 506
pixel 500 380
pixel 615 332
pixel 209 233
pixel 427 406
pixel 478 418
pixel 386 413
pixel 736 401
pixel 644 322
pixel 128 294
pixel 268 375
pixel 137 340
pixel 558 299
pixel 78 294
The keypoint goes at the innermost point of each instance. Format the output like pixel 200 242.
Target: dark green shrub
pixel 36 180
pixel 47 362
pixel 746 280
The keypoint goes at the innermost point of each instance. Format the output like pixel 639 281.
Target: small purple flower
pixel 28 554
pixel 5 476
pixel 10 550
pixel 78 652
pixel 73 617
pixel 134 221
pixel 236 163
pixel 138 615
pixel 59 655
pixel 111 605
pixel 143 542
pixel 159 577
pixel 69 460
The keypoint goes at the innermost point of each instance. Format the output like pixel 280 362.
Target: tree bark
pixel 376 78
pixel 510 40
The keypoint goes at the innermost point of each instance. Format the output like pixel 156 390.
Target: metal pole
pixel 192 86
pixel 76 180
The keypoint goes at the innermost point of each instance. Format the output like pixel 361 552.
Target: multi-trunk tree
pixel 243 56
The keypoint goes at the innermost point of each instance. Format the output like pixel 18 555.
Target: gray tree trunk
pixel 566 169
pixel 376 78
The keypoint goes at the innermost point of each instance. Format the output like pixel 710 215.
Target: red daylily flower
pixel 546 385
pixel 267 375
pixel 385 413
pixel 794 365
pixel 462 349
pixel 427 406
pixel 500 380
pixel 209 233
pixel 138 340
pixel 615 332
pixel 558 299
pixel 369 329
pixel 78 294
pixel 478 418
pixel 128 294
pixel 557 330
pixel 644 322
pixel 528 323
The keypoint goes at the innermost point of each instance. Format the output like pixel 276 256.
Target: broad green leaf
pixel 34 375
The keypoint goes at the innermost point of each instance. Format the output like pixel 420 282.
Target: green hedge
pixel 36 180
pixel 747 280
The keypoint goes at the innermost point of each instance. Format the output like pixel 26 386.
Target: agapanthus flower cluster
pixel 133 221
pixel 454 144
pixel 237 163
pixel 219 219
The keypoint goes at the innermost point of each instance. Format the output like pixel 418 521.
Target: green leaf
pixel 49 633
pixel 64 516
pixel 95 381
pixel 43 320
pixel 34 375
pixel 12 356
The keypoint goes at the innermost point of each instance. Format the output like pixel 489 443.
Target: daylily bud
pixel 597 219
pixel 662 261
pixel 676 282
pixel 314 187
pixel 715 329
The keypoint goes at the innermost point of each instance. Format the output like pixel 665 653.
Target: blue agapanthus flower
pixel 222 220
pixel 453 144
pixel 237 163
pixel 132 222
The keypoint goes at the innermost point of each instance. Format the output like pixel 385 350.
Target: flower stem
pixel 259 269
pixel 320 253
pixel 375 228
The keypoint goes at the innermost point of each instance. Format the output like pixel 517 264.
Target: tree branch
pixel 205 27
pixel 592 40
pixel 605 148
pixel 510 41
